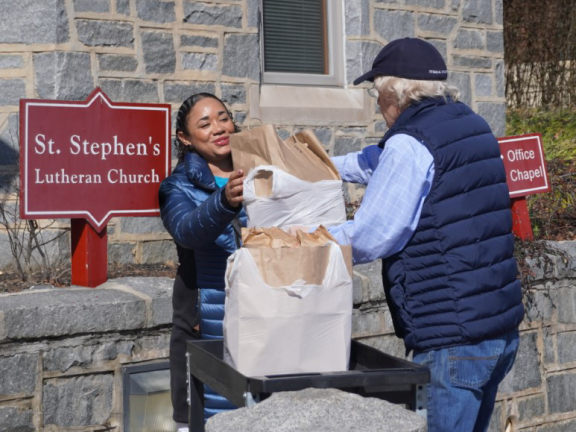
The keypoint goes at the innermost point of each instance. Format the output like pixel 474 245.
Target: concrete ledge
pixel 118 305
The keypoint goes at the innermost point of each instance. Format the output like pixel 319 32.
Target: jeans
pixel 464 382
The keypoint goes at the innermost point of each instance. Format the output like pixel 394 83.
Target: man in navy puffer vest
pixel 437 211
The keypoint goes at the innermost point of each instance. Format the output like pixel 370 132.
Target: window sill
pixel 292 105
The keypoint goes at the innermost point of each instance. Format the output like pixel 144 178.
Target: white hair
pixel 402 92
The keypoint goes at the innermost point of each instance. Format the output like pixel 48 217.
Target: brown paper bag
pixel 301 155
pixel 280 255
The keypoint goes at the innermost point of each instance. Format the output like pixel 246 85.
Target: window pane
pixel 294 36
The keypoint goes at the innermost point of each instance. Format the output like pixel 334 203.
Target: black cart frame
pixel 372 373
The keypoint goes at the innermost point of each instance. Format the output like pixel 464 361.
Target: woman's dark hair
pixel 181 119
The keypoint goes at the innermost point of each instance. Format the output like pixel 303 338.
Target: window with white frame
pixel 302 42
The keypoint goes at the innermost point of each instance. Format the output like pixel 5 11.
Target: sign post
pixel 90 161
pixel 526 174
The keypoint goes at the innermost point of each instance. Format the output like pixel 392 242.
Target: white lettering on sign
pixel 78 145
pixel 520 155
pixel 113 176
pixel 517 175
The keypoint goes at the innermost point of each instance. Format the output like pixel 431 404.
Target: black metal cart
pixel 372 373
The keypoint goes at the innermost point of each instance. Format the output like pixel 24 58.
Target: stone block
pixel 388 1
pixel 105 33
pixel 495 115
pixel 525 373
pixel 495 41
pixel 9 139
pixel 159 54
pixel 142 225
pixel 121 253
pixel 11 62
pixel 500 79
pixel 436 23
pixel 373 271
pixel 499 11
pixel 495 424
pixel 123 7
pixel 357 15
pixel 367 323
pixel 240 117
pixel 314 410
pixel 14 419
pixel 33 22
pixel 22 382
pixel 241 56
pixel 455 5
pixel 117 63
pixel 65 358
pixel 358 282
pixel 163 251
pixel 530 408
pixel 432 4
pixel 212 15
pixel 392 25
pixel 472 62
pixel 539 305
pixel 483 85
pixel 78 401
pixel 566 347
pixel 253 7
pixel 353 130
pixel 159 289
pixel 461 80
pixel 380 126
pixel 469 40
pixel 440 45
pixel 344 145
pixel 130 90
pixel 558 427
pixel 99 6
pixel 477 11
pixel 177 92
pixel 156 11
pixel 152 346
pixel 199 41
pixel 199 61
pixel 70 311
pixel 324 135
pixel 63 75
pixel 389 344
pixel 233 93
pixel 359 58
pixel 561 391
pixel 11 91
pixel 549 350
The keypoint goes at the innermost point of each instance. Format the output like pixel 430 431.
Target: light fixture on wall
pixel 147 404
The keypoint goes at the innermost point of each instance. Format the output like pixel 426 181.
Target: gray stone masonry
pixel 212 15
pixel 318 410
pixel 12 90
pixel 130 90
pixel 23 382
pixel 99 6
pixel 105 33
pixel 11 62
pixel 159 54
pixel 119 63
pixel 16 419
pixel 63 75
pixel 156 11
pixel 32 22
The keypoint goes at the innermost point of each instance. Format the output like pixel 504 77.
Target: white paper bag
pixel 300 328
pixel 293 201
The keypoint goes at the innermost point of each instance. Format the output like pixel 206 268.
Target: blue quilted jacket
pixel 197 216
pixel 455 281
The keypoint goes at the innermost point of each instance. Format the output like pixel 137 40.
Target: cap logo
pixel 432 71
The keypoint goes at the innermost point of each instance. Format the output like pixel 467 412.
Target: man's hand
pixel 235 188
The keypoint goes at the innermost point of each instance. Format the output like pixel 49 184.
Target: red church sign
pixel 92 160
pixel 523 158
pixel 526 174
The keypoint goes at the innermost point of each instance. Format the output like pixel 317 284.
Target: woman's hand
pixel 235 188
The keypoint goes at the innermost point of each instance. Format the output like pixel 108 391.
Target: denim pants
pixel 464 382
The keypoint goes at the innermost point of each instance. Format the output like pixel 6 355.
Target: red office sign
pixel 94 159
pixel 523 158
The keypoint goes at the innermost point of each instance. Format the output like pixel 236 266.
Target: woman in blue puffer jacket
pixel 200 206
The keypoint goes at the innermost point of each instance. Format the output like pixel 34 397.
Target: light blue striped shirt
pixel 397 181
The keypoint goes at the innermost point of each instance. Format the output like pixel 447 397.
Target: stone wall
pixel 163 51
pixel 62 350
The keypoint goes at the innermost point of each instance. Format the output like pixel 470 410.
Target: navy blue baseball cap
pixel 408 58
